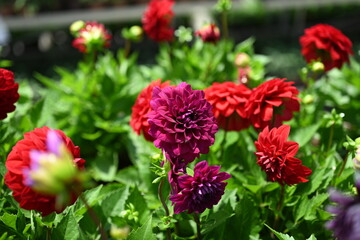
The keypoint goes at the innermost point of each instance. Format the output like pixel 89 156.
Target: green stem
pixel 279 208
pixel 198 226
pixel 330 138
pixel 224 24
pixel 223 141
pixel 127 48
pixel 167 212
pixel 94 217
pixel 343 164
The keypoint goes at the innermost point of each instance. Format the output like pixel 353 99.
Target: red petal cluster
pixel 157 19
pixel 92 37
pixel 272 102
pixel 228 101
pixel 275 156
pixel 327 44
pixel 139 119
pixel 8 92
pixel 19 159
pixel 209 33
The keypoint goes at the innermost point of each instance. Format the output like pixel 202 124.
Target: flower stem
pixel 162 200
pixel 94 217
pixel 127 48
pixel 224 24
pixel 330 138
pixel 222 146
pixel 279 208
pixel 198 225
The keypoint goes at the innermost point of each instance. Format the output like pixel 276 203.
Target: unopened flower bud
pixel 52 172
pixel 308 99
pixel 76 26
pixel 209 33
pixel 136 32
pixel 242 60
pixel 119 233
pixel 318 67
pixel 356 159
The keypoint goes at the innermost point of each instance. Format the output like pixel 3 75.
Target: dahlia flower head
pixel 276 157
pixel 139 119
pixel 327 44
pixel 28 170
pixel 228 100
pixel 201 191
pixel 92 37
pixel 346 223
pixel 157 19
pixel 272 102
pixel 8 92
pixel 209 33
pixel 181 122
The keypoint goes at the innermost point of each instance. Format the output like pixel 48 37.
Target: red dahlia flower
pixel 157 20
pixel 272 102
pixel 209 33
pixel 8 92
pixel 228 100
pixel 139 119
pixel 327 44
pixel 181 122
pixel 201 191
pixel 276 157
pixel 92 37
pixel 19 160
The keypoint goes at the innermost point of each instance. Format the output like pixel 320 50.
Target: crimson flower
pixel 157 20
pixel 276 157
pixel 272 102
pixel 201 191
pixel 181 122
pixel 8 92
pixel 228 100
pixel 139 119
pixel 92 37
pixel 327 44
pixel 209 33
pixel 19 159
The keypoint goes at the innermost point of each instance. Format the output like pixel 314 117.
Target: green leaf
pixel 312 237
pixel 68 228
pixel 281 236
pixel 9 220
pixel 144 232
pixel 114 203
pixel 304 134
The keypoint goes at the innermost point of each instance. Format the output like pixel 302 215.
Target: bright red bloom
pixel 92 37
pixel 276 157
pixel 272 102
pixel 201 191
pixel 139 119
pixel 209 33
pixel 157 20
pixel 327 44
pixel 8 92
pixel 19 159
pixel 228 100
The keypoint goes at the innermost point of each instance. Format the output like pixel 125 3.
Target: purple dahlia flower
pixel 201 191
pixel 181 122
pixel 346 224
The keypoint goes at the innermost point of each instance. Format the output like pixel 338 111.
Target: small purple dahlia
pixel 346 224
pixel 201 191
pixel 181 122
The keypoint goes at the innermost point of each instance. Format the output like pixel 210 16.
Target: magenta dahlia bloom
pixel 346 223
pixel 201 191
pixel 181 122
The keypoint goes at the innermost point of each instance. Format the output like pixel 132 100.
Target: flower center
pixel 187 118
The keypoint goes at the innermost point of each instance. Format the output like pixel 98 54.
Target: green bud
pixel 119 233
pixel 133 34
pixel 317 67
pixel 242 60
pixel 308 99
pixel 76 26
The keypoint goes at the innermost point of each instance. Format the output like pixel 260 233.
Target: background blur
pixel 34 34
